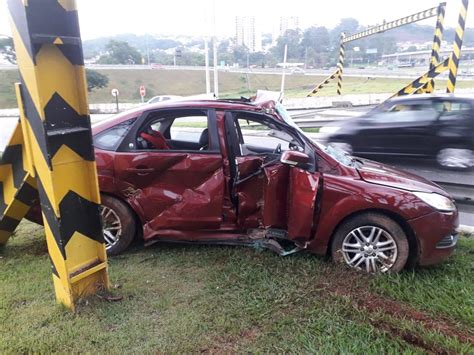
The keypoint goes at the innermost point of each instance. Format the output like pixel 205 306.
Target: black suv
pixel 429 126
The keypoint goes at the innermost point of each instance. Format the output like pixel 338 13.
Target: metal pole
pixel 147 50
pixel 456 54
pixel 116 103
pixel 214 48
pixel 53 103
pixel 282 88
pixel 206 58
pixel 340 65
pixel 438 36
pixel 216 78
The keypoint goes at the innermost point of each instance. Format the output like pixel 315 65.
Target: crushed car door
pixel 269 194
pixel 175 187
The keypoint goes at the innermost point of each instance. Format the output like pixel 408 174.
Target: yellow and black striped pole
pixel 17 186
pixel 418 83
pixel 435 48
pixel 456 55
pixel 340 65
pixel 58 137
pixel 323 83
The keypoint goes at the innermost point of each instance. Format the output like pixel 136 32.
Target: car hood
pixel 381 174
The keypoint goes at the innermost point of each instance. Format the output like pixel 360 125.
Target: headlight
pixel 329 129
pixel 439 202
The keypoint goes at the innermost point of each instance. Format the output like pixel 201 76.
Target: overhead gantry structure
pixel 50 155
pixel 424 83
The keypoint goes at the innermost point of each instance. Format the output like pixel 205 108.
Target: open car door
pixel 269 193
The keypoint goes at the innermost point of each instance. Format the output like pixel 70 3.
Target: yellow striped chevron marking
pixel 56 143
pixel 52 68
pixel 81 252
pixel 27 154
pixel 27 69
pixel 64 161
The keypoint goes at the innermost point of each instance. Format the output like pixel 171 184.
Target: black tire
pixel 127 224
pixel 391 233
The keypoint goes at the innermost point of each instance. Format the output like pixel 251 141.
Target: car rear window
pixel 111 138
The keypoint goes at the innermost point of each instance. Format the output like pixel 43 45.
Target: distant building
pixel 286 23
pixel 247 33
pixel 289 23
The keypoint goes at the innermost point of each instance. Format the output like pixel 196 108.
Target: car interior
pixel 186 131
pixel 257 136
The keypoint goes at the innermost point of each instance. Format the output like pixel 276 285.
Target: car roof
pixel 229 104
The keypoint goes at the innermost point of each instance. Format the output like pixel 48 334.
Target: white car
pixel 162 98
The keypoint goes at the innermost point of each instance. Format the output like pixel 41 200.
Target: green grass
pixel 180 298
pixel 191 82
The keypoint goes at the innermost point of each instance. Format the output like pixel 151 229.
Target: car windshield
pixel 286 116
pixel 340 155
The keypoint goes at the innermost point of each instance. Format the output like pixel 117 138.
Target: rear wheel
pixel 118 225
pixel 371 242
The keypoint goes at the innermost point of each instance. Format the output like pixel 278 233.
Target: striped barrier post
pixel 424 79
pixel 323 83
pixel 57 142
pixel 340 65
pixel 438 37
pixel 456 55
pixel 17 187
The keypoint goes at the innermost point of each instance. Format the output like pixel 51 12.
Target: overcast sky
pixel 108 17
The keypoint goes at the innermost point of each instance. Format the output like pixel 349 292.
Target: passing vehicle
pixel 242 173
pixel 437 127
pixel 161 98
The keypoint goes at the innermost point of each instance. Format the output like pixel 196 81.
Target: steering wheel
pixel 277 149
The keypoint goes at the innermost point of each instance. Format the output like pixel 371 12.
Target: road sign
pixel 142 91
pixel 115 92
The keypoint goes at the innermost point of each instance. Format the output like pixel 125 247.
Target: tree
pixel 347 25
pixel 291 38
pixel 95 80
pixel 120 52
pixel 316 38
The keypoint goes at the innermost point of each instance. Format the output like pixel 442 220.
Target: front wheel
pixel 371 242
pixel 457 158
pixel 118 225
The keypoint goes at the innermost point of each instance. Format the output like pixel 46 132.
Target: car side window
pixel 453 111
pixel 256 136
pixel 188 129
pixel 185 130
pixel 111 138
pixel 408 112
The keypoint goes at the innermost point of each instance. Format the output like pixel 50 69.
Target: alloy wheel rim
pixel 111 226
pixel 370 248
pixel 456 158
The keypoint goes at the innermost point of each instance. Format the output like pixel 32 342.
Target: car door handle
pixel 141 170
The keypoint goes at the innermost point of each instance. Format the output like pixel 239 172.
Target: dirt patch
pixel 353 285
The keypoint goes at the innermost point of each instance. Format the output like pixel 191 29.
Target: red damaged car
pixel 230 172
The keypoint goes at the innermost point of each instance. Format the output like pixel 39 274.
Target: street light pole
pixel 214 47
pixel 282 89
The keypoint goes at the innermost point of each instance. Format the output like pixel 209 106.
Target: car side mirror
pixel 294 158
